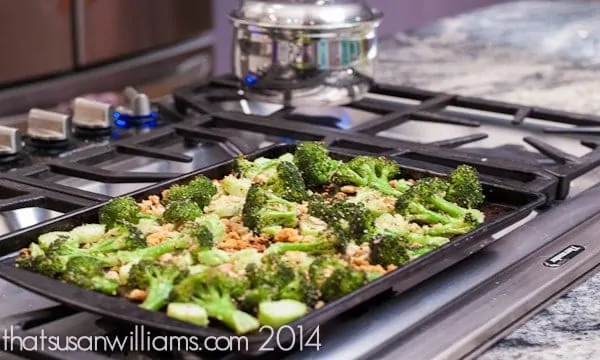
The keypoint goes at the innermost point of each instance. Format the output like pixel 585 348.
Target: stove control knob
pixel 10 141
pixel 91 114
pixel 137 103
pixel 48 126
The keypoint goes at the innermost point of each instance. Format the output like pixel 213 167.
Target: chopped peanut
pixel 348 189
pixel 136 295
pixel 288 235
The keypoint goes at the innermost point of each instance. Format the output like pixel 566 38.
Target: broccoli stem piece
pixel 322 245
pixel 418 252
pixel 150 252
pixel 191 313
pixel 212 257
pixel 428 239
pixel 224 310
pixel 446 206
pixel 281 312
pixel 419 213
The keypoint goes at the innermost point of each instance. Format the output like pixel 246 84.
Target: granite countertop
pixel 544 53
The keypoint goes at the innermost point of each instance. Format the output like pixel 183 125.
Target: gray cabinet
pixel 35 38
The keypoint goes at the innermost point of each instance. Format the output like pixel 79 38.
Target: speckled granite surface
pixel 544 53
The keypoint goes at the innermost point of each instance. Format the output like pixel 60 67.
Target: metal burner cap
pixel 304 14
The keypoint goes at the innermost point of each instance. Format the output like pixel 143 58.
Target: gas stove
pixel 57 162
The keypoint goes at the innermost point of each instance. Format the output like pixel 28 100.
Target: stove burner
pixel 13 161
pixel 137 112
pixel 92 133
pixel 127 121
pixel 48 147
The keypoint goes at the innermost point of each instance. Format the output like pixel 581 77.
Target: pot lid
pixel 304 14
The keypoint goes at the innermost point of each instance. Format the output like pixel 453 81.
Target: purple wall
pixel 399 15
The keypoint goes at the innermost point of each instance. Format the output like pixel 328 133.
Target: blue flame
pixel 126 121
pixel 250 79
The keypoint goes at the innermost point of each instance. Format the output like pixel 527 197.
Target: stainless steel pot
pixel 305 52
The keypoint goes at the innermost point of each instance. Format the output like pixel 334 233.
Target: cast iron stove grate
pixel 205 99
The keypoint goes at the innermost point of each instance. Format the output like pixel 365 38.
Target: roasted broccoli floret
pixel 121 209
pixel 272 272
pixel 89 273
pixel 314 162
pixel 389 249
pixel 225 206
pixel 88 233
pixel 216 292
pixel 322 267
pixel 341 282
pixel 373 172
pixel 411 234
pixel 395 239
pixel 374 200
pixel 158 280
pixel 287 182
pixel 424 202
pixel 47 239
pixel 465 188
pixel 32 259
pixel 123 236
pixel 235 186
pixel 300 289
pixel 204 238
pixel 351 222
pixel 312 226
pixel 262 166
pixel 274 279
pixel 177 193
pixel 58 254
pixel 241 259
pixel 263 209
pixel 179 212
pixel 200 190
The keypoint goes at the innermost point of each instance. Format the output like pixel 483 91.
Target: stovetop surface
pixel 204 124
